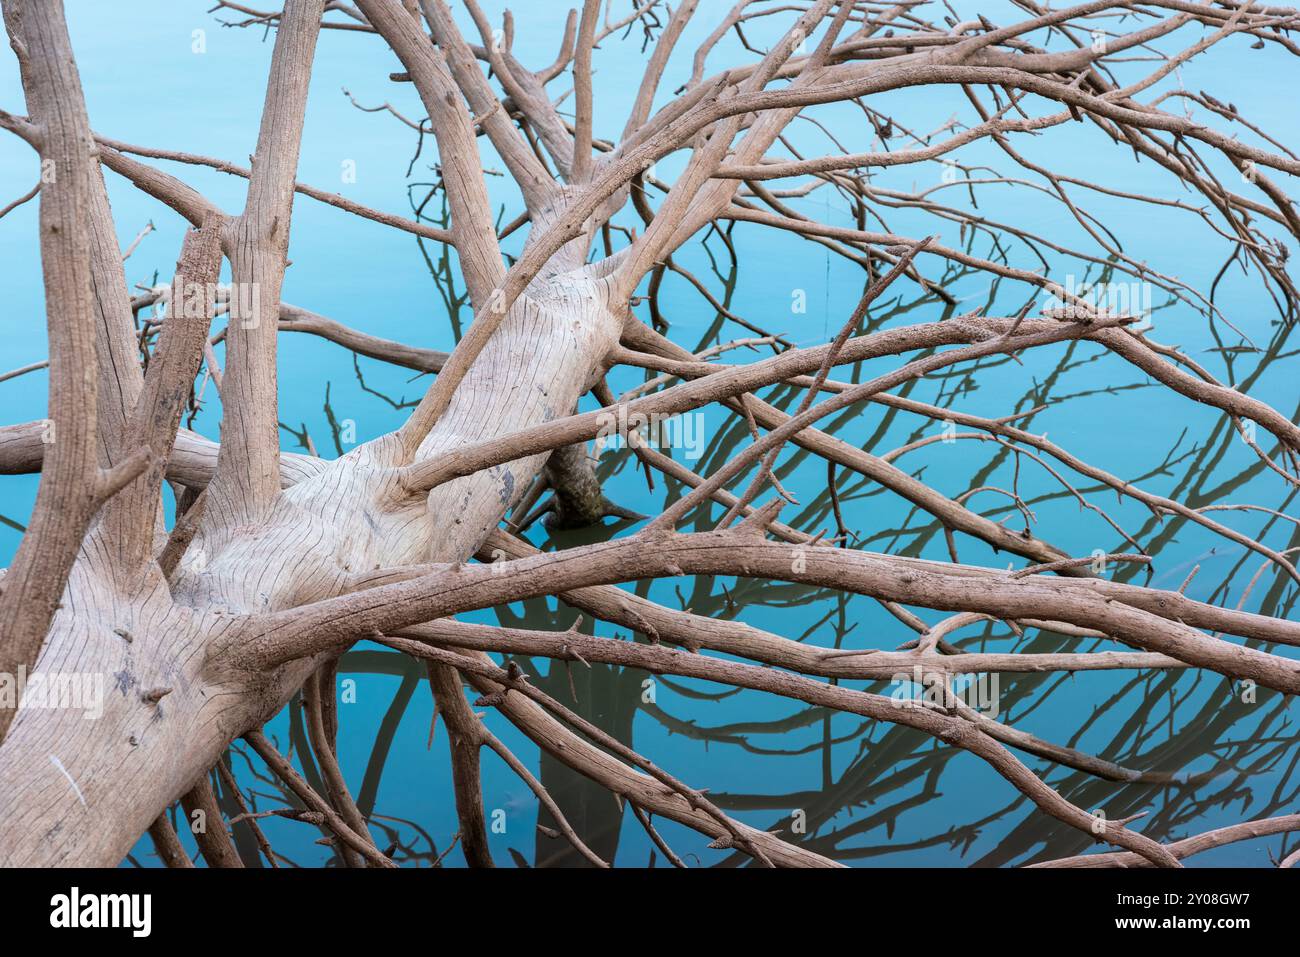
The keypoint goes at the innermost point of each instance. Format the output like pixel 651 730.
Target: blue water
pixel 872 795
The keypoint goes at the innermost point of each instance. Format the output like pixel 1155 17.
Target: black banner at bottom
pixel 337 906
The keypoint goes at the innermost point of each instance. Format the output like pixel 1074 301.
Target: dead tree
pixel 280 562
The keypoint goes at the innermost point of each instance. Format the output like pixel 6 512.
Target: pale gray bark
pixel 294 558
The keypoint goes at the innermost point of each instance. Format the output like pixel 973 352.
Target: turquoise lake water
pixel 871 795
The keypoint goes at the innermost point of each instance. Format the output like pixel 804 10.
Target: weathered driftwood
pixel 283 561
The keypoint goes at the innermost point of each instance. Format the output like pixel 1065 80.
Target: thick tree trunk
pixel 80 792
pixel 209 640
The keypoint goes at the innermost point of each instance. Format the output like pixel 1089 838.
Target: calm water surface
pixel 870 795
